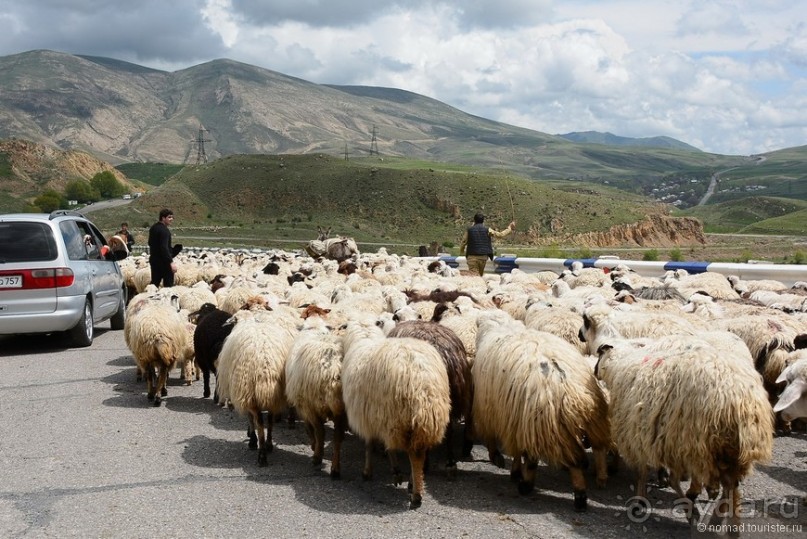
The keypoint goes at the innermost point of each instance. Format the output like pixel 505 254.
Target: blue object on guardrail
pixel 504 264
pixel 691 267
pixel 450 261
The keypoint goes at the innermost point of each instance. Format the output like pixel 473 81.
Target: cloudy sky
pixel 727 76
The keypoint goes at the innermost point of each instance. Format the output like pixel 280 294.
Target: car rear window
pixel 26 242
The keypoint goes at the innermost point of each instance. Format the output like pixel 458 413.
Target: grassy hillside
pixel 150 173
pixel 760 215
pixel 777 174
pixel 374 200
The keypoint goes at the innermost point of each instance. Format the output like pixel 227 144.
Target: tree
pixel 107 185
pixel 50 200
pixel 82 191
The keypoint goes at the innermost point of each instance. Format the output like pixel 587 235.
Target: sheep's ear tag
pixel 791 394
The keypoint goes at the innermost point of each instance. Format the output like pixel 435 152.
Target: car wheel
pixel 119 318
pixel 82 333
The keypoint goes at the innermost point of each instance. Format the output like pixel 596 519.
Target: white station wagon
pixel 55 277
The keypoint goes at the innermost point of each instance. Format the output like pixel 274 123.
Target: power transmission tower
pixel 201 156
pixel 374 144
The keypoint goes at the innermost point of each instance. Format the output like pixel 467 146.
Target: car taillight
pixel 45 278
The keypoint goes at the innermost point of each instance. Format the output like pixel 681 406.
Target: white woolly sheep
pixel 536 396
pixel 395 391
pixel 558 321
pixel 314 387
pixel 251 372
pixel 158 339
pixel 460 382
pixel 714 284
pixel 769 341
pixel 743 286
pixel 600 320
pixel 578 276
pixel 461 319
pixel 683 403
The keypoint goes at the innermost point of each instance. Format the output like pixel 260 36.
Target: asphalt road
pixel 104 204
pixel 84 454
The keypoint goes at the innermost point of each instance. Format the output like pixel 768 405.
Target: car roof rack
pixel 60 213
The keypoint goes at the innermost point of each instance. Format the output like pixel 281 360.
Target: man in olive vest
pixel 479 247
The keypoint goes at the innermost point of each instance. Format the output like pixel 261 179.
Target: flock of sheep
pixel 684 376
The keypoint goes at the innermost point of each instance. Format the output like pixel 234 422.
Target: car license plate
pixel 10 281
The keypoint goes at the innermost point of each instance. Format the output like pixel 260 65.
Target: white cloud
pixel 725 76
pixel 712 17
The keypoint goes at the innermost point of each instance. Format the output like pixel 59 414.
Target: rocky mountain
pixel 28 168
pixel 122 112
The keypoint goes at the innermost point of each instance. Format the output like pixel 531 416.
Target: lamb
pixel 458 369
pixel 792 403
pixel 535 394
pixel 251 371
pixel 664 412
pixel 314 387
pixel 395 391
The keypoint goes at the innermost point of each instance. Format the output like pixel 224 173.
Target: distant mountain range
pixel 122 112
pixel 609 139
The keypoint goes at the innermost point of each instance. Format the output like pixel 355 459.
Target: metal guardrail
pixel 788 274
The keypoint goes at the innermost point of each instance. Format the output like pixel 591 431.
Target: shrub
pixel 50 200
pixel 448 244
pixel 746 255
pixel 651 255
pixel 676 255
pixel 799 257
pixel 552 251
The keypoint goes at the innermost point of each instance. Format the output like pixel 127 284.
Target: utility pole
pixel 347 154
pixel 374 143
pixel 201 156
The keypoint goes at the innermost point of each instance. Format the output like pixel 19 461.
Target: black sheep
pixel 208 338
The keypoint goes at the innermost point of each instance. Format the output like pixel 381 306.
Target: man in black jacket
pixel 161 254
pixel 479 246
